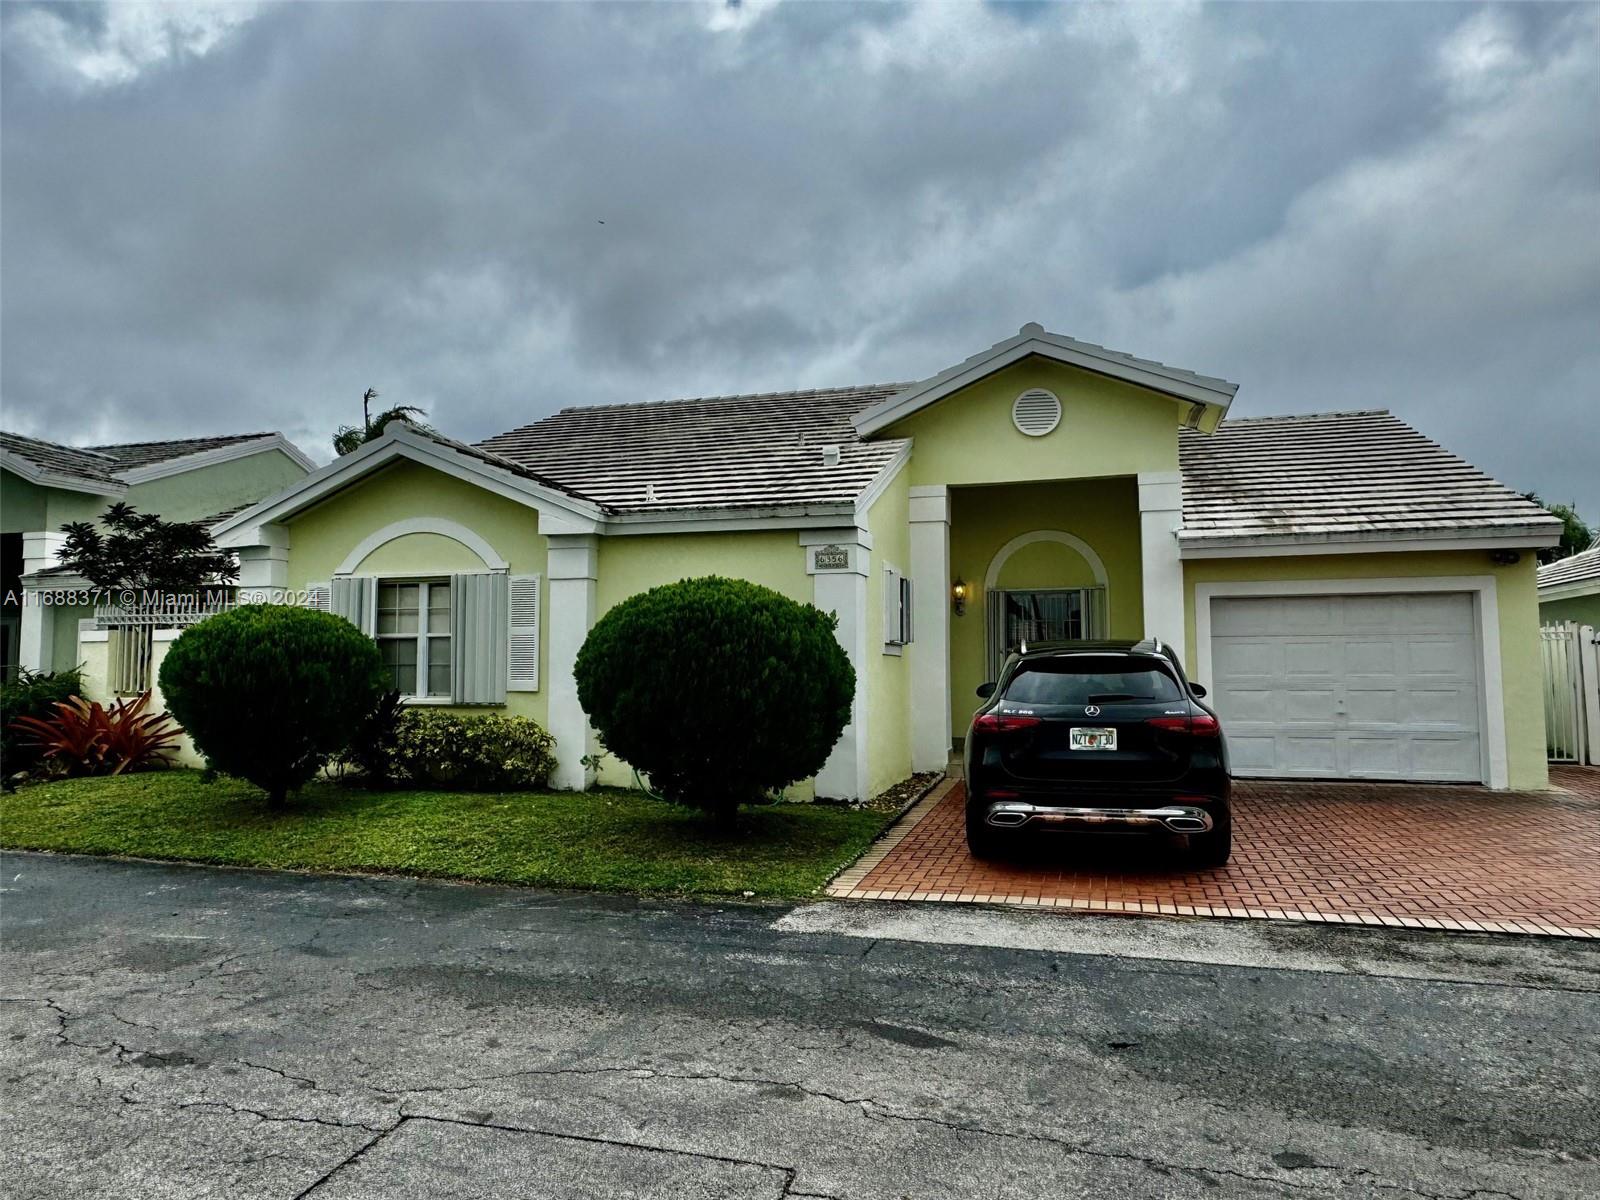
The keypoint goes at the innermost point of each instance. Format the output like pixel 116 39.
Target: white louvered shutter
pixel 478 604
pixel 891 607
pixel 523 640
pixel 319 596
pixel 1036 412
pixel 355 598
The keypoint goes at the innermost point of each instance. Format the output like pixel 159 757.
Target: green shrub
pixel 31 694
pixel 718 689
pixel 483 752
pixel 269 693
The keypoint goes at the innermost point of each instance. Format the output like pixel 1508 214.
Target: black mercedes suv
pixel 1102 736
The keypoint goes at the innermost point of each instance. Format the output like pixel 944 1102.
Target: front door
pixel 1035 615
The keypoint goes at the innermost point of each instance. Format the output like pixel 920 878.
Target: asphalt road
pixel 180 1031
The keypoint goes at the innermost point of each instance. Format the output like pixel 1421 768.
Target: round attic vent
pixel 1036 412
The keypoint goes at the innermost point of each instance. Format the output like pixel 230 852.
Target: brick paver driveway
pixel 1422 856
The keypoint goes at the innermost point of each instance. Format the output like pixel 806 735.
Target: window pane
pixel 1091 679
pixel 438 666
pixel 400 656
pixel 439 608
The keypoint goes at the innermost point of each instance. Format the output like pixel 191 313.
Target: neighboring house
pixel 1569 589
pixel 1359 601
pixel 44 485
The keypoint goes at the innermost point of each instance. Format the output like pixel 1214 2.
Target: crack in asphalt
pixel 869 1107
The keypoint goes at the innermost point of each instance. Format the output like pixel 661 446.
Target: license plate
pixel 1092 738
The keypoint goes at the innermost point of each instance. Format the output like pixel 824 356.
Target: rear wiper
pixel 1113 697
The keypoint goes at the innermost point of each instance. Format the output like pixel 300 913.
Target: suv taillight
pixel 1204 725
pixel 994 722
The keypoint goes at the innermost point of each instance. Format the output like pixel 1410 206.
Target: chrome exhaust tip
pixel 1187 824
pixel 1007 819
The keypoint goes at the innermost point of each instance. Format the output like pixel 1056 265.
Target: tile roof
pixel 129 455
pixel 71 461
pixel 1340 476
pixel 1583 567
pixel 715 452
pixel 105 464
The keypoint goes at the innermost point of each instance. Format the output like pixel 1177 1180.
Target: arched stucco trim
pixel 450 529
pixel 992 577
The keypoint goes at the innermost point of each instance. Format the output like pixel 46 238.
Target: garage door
pixel 1365 687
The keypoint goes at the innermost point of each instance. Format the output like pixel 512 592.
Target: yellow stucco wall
pixel 632 564
pixel 888 675
pixel 1104 513
pixel 1516 600
pixel 320 539
pixel 1107 428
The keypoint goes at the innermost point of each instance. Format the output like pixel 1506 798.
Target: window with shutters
pixel 897 630
pixel 414 636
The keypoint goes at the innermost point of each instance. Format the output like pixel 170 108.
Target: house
pixel 44 485
pixel 1359 601
pixel 1569 589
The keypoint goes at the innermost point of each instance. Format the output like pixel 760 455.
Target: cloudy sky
pixel 222 217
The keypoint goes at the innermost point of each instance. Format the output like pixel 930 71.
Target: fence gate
pixel 1571 692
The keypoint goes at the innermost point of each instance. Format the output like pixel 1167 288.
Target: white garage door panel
pixel 1365 686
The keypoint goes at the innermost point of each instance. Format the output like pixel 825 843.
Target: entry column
pixel 838 561
pixel 1160 516
pixel 929 650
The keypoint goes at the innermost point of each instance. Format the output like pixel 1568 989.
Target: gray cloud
pixel 223 217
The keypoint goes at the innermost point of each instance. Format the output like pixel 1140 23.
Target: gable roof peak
pixel 1201 392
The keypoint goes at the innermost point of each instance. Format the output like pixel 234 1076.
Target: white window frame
pixel 422 637
pixel 898 630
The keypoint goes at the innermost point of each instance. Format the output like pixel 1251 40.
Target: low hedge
pixel 478 752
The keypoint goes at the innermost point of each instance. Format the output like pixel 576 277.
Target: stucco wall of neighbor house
pixel 1516 599
pixel 26 507
pixel 1585 610
pixel 206 491
pixel 889 675
pixel 1104 513
pixel 1107 428
pixel 321 539
pixel 64 649
pixel 636 563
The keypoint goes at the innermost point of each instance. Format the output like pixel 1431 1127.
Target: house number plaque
pixel 830 558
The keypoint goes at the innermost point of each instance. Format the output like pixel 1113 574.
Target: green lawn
pixel 608 840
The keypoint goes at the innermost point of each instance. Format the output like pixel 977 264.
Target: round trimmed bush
pixel 269 693
pixel 718 689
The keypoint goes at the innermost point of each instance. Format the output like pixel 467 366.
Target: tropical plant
pixel 269 693
pixel 140 550
pixel 481 752
pixel 1576 533
pixel 83 737
pixel 30 694
pixel 719 690
pixel 372 750
pixel 353 437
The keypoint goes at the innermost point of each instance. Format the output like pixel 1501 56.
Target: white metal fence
pixel 132 641
pixel 1571 692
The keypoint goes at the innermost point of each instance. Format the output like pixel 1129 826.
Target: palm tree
pixel 351 437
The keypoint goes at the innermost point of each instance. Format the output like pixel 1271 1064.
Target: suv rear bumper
pixel 1168 818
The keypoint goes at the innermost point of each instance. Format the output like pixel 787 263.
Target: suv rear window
pixel 1091 679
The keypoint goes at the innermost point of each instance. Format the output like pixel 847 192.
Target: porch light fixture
pixel 958 596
